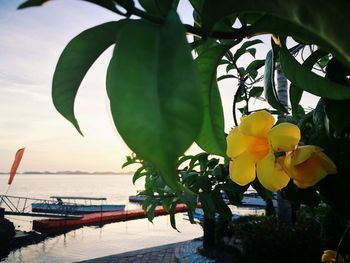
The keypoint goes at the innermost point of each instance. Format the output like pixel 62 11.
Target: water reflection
pixel 91 242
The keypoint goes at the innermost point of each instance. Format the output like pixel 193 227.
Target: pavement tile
pixel 160 254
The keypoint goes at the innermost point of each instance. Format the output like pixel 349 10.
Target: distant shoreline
pixel 72 173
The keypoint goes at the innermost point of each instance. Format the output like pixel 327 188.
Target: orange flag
pixel 18 158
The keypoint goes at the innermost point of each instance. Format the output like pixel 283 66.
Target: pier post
pixel 2 213
pixel 7 229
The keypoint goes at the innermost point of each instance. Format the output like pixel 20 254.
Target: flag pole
pixel 16 162
pixel 2 197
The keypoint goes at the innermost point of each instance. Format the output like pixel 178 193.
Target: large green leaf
pixel 269 83
pixel 301 76
pixel 154 92
pixel 281 27
pixel 75 60
pixel 337 111
pixel 212 136
pixel 323 20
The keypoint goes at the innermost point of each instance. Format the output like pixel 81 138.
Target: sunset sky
pixel 31 41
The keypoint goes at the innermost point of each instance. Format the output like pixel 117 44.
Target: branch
pixel 234 34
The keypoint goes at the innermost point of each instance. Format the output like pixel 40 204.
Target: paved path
pixel 160 254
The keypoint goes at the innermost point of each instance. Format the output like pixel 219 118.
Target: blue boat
pixel 72 207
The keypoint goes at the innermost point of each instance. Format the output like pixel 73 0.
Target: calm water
pixel 91 242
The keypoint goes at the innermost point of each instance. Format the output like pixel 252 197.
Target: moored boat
pixel 253 199
pixel 71 206
pixel 137 198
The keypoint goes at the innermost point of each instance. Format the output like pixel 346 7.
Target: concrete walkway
pixel 160 254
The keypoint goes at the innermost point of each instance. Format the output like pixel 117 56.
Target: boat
pixel 198 215
pixel 137 198
pixel 252 199
pixel 72 207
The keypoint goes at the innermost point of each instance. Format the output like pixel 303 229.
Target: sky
pixel 31 41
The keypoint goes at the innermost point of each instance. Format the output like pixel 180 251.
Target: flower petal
pixel 308 173
pixel 301 154
pixel 270 173
pixel 284 137
pixel 307 165
pixel 242 169
pixel 326 163
pixel 329 256
pixel 237 143
pixel 259 147
pixel 257 124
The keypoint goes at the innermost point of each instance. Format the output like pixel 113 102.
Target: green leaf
pixel 296 93
pixel 309 81
pixel 229 67
pixel 161 7
pixel 338 111
pixel 197 5
pixel 252 51
pixel 146 204
pixel 269 83
pixel 255 65
pixel 31 3
pixel 233 191
pixel 207 204
pixel 243 49
pixel 74 62
pixel 253 73
pixel 109 4
pixel 205 45
pixel 223 62
pixel 324 61
pixel 212 136
pixel 220 205
pixel 323 20
pixel 172 211
pixel 256 92
pixel 190 200
pixel 154 92
pixel 151 209
pixel 166 203
pixel 138 174
pixel 226 77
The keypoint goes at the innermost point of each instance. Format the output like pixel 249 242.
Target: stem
pixel 240 87
pixel 341 241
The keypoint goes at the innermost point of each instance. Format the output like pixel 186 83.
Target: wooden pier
pixel 56 225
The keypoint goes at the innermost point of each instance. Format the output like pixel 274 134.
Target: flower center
pixel 259 147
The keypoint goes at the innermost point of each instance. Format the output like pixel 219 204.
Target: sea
pixel 91 241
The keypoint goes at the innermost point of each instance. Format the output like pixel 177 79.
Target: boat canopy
pixel 79 198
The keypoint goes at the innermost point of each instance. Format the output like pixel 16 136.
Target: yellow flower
pixel 330 256
pixel 251 147
pixel 307 165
